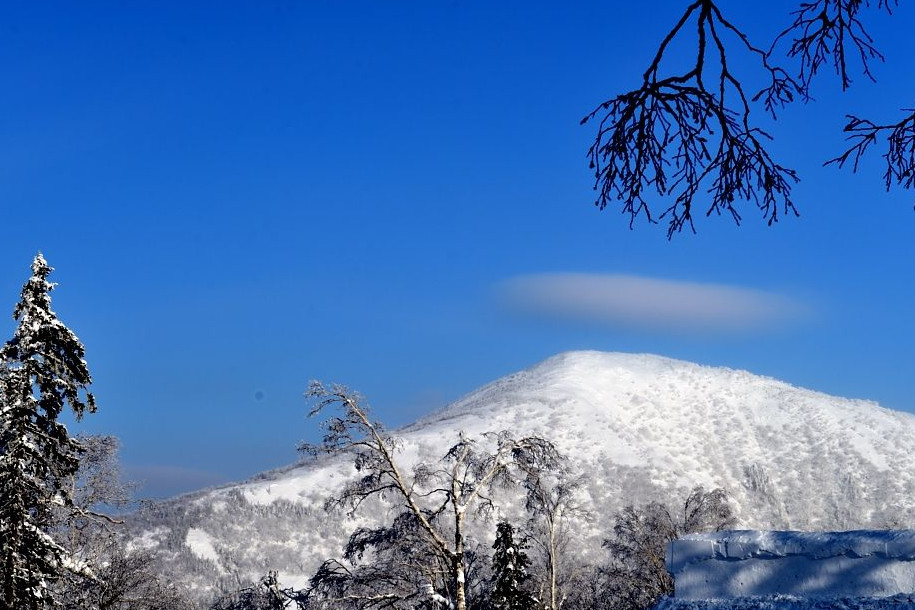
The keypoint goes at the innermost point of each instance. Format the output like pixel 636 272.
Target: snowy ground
pixel 783 570
pixel 730 564
pixel 788 602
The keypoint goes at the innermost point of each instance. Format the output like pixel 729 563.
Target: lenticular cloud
pixel 640 302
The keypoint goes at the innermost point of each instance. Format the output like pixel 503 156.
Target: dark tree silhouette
pixel 687 138
pixel 899 156
pixel 832 32
pixel 510 571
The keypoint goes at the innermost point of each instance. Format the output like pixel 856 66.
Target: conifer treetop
pixel 47 350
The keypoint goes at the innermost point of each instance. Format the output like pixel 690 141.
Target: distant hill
pixel 640 427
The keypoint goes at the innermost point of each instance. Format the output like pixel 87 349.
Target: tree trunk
pixel 457 565
pixel 553 567
pixel 460 597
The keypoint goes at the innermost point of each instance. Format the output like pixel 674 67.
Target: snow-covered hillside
pixel 640 427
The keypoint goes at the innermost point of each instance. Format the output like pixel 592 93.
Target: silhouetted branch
pixel 900 154
pixel 831 32
pixel 675 135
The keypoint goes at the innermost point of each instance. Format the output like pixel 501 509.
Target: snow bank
pixel 721 565
pixel 790 602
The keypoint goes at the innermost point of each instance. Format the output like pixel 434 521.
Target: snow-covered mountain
pixel 640 427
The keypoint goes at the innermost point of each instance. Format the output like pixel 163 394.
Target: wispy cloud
pixel 627 301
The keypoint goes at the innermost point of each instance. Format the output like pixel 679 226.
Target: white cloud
pixel 628 301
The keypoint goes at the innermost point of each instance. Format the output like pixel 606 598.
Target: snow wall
pixel 721 565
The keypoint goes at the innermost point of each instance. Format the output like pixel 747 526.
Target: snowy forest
pixel 64 543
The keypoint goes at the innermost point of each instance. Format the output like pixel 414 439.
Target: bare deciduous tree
pixel 103 574
pixel 900 154
pixel 435 499
pixel 388 566
pixel 688 138
pixel 126 580
pixel 636 576
pixel 552 503
pixel 831 32
pixel 679 133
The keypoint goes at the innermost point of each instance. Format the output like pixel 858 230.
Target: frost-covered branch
pixel 434 502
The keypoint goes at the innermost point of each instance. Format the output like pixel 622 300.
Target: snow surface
pixel 640 427
pixel 202 545
pixel 789 602
pixel 149 539
pixel 298 483
pixel 749 544
pixel 758 563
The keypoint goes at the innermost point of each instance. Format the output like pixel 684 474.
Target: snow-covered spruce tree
pixel 510 571
pixel 42 372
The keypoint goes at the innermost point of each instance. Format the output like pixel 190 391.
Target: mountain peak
pixel 639 427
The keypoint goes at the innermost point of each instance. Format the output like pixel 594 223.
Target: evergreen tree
pixel 42 371
pixel 510 571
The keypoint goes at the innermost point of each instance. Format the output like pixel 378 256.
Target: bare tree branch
pixel 636 576
pixel 832 32
pixel 434 503
pixel 899 156
pixel 551 500
pixel 683 139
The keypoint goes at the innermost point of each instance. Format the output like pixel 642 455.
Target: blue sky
pixel 239 197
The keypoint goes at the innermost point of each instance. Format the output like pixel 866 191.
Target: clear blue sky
pixel 242 196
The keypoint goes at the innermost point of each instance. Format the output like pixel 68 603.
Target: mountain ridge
pixel 640 427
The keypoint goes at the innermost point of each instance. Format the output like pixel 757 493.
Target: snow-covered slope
pixel 641 428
